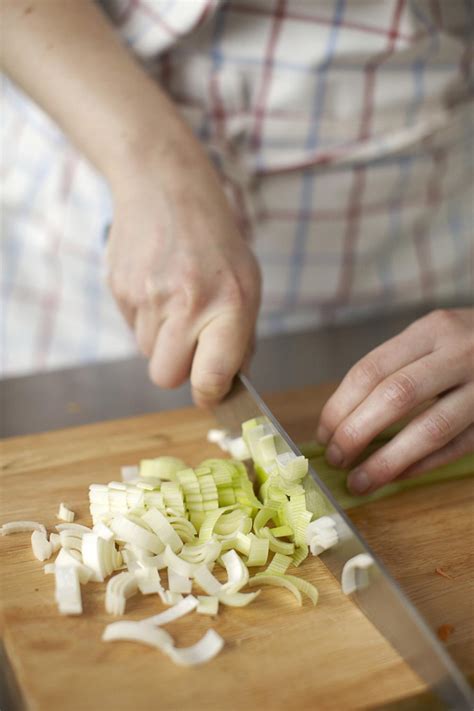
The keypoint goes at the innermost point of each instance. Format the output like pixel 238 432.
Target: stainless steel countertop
pixel 115 389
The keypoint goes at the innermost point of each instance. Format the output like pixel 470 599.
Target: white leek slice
pixel 65 514
pixel 208 647
pixel 163 529
pixel 238 449
pixel 237 573
pixel 103 531
pixel 208 605
pixel 55 541
pixel 42 548
pixel 238 599
pixel 20 526
pixel 49 568
pixel 179 583
pixel 202 553
pixel 77 528
pixel 323 541
pixel 186 605
pixel 67 590
pixel 355 573
pixel 119 588
pixel 70 541
pixel 321 534
pixel 278 581
pixel 98 555
pixel 170 598
pixel 129 473
pixel 207 581
pixel 180 566
pixel 129 531
pixel 215 436
pixel 138 632
pixel 67 559
pixel 148 581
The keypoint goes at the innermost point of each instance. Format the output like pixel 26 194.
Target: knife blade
pixel 379 597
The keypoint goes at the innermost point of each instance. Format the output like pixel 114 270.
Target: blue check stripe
pixel 308 177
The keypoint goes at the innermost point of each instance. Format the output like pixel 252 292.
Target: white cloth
pixel 342 130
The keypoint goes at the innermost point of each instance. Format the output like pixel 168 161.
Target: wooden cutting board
pixel 277 655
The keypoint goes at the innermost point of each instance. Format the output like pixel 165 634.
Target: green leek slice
pixel 279 581
pixel 279 564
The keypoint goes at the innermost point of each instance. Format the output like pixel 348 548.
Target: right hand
pixel 181 273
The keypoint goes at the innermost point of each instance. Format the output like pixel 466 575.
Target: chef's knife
pixel 379 597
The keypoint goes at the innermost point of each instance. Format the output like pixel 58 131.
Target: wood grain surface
pixel 277 655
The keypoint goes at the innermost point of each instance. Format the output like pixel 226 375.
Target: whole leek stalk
pixel 335 479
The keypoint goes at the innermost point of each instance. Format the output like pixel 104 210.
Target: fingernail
pixel 322 434
pixel 358 481
pixel 334 455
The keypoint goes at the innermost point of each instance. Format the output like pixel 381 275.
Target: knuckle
pixel 350 434
pixel 401 391
pixel 443 318
pixel 366 372
pixel 438 427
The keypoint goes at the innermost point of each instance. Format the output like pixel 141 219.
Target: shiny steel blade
pixel 381 600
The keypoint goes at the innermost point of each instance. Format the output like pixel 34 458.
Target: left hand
pixel 432 360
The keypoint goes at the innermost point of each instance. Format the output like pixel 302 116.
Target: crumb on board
pixel 443 574
pixel 444 632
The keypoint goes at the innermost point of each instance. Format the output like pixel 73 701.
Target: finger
pixel 460 446
pixel 410 345
pixel 394 398
pixel 426 434
pixel 221 350
pixel 147 323
pixel 127 311
pixel 172 355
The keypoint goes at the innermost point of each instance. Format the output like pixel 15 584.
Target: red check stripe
pixel 156 17
pixel 328 21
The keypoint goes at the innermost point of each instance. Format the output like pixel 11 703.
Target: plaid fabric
pixel 343 133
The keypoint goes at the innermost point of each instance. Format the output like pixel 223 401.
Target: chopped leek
pixel 119 588
pixel 65 514
pixel 204 650
pixel 355 573
pixel 42 548
pixel 278 581
pixel 67 590
pixel 208 605
pixel 186 605
pixel 138 632
pixel 237 572
pixel 20 526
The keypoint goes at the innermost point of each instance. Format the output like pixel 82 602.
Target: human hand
pixel 433 359
pixel 182 274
